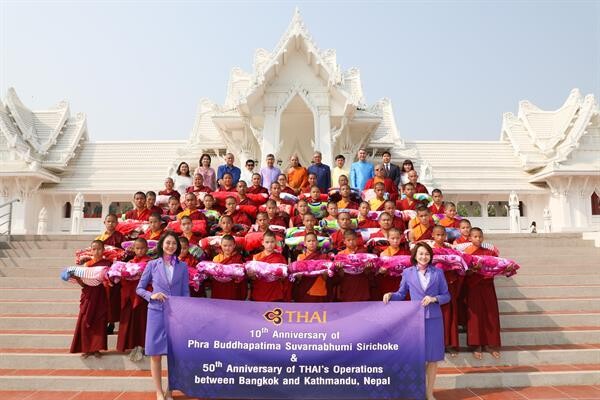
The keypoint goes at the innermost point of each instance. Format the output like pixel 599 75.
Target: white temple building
pixel 298 99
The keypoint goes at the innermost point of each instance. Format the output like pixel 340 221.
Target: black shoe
pixel 110 329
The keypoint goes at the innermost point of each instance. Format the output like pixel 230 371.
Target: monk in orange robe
pixel 389 185
pixel 311 289
pixel 155 230
pixel 465 231
pixel 191 208
pixel 384 283
pixel 353 287
pixel 262 290
pixel 346 201
pixel 134 309
pixel 229 290
pixel 483 316
pixel 378 201
pixel 450 220
pixel 297 175
pixel 140 212
pixel 421 227
pixel 90 332
pixel 111 237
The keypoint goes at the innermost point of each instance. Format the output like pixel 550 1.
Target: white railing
pixel 6 219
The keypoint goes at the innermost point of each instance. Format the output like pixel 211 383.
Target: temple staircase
pixel 550 317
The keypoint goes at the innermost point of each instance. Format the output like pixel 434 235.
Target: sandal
pixel 477 354
pixel 85 355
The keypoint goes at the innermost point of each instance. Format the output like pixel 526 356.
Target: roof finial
pixel 297 19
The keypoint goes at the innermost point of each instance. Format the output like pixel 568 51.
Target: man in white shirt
pixel 339 170
pixel 247 172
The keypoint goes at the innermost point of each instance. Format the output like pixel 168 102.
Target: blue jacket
pixel 323 174
pixel 437 288
pixel 155 275
pixel 360 173
pixel 233 170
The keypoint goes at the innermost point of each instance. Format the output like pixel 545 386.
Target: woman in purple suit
pixel 168 277
pixel 426 284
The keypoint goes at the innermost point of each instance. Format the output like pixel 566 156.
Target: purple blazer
pixel 155 275
pixel 437 288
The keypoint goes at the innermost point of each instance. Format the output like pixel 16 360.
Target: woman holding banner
pixel 168 277
pixel 426 284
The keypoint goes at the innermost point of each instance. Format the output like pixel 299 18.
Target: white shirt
pixel 181 183
pixel 424 278
pixel 168 271
pixel 246 176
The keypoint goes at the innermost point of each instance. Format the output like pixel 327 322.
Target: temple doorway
pixel 297 133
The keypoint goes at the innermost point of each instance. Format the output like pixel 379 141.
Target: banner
pixel 254 350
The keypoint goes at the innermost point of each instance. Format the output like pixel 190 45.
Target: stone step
pixel 39 307
pixel 510 337
pixel 30 272
pixel 53 238
pixel 38 322
pixel 448 378
pixel 30 282
pixel 51 252
pixel 540 279
pixel 45 244
pixel 70 292
pixel 554 268
pixel 558 304
pixel 43 339
pixel 62 359
pixel 523 376
pixel 527 292
pixel 548 320
pixel 36 262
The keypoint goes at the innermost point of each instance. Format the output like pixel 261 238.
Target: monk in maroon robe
pixel 311 289
pixel 90 332
pixel 229 290
pixel 483 316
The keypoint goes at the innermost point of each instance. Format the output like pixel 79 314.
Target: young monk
pixel 384 283
pixel 346 201
pixel 191 208
pixel 242 191
pixel 300 209
pixel 140 211
pixel 332 211
pixel 408 203
pixel 186 231
pixel 390 207
pixel 269 291
pixel 311 289
pixel 449 310
pixel 465 231
pixel 438 202
pixel 262 222
pixel 376 203
pixel 90 332
pixel 344 225
pixel 385 224
pixel 111 237
pixel 308 223
pixel 227 184
pixel 310 182
pixel 483 316
pixel 132 322
pixel 422 226
pixel 151 203
pixel 283 184
pixel 413 178
pixel 353 287
pixel 156 229
pixel 191 263
pixel 210 205
pixel 229 290
pixel 450 220
pixel 364 221
pixel 257 187
pixel 198 185
pixel 276 217
pixel 238 217
pixel 174 208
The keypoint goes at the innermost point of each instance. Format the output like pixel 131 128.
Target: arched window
pixel 92 209
pixel 67 210
pixel 119 207
pixel 595 204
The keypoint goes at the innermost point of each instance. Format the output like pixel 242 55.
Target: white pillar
pixel 513 212
pixel 547 220
pixel 270 134
pixel 42 227
pixel 77 215
pixel 323 135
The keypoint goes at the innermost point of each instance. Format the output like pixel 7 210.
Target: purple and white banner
pixel 252 350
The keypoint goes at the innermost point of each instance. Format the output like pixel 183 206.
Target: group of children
pixel 341 218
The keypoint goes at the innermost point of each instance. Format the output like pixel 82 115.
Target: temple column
pixel 323 135
pixel 270 133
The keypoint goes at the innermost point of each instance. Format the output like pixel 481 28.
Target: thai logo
pixel 278 316
pixel 274 316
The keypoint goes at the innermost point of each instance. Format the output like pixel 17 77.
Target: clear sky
pixel 138 69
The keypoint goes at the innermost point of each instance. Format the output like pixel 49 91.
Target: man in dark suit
pixel 392 171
